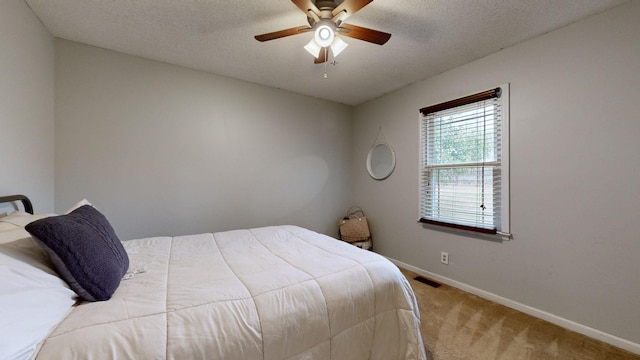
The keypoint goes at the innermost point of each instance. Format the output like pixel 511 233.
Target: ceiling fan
pixel 326 19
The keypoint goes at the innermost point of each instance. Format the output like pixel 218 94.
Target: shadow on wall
pixel 305 179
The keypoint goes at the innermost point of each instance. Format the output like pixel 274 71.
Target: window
pixel 464 173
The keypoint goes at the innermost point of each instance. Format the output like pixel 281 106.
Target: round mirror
pixel 381 161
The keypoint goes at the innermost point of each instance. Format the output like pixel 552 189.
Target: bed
pixel 278 292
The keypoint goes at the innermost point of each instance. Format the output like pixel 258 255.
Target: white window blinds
pixel 462 174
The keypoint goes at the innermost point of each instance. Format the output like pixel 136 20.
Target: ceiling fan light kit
pixel 338 45
pixel 313 48
pixel 326 20
pixel 324 35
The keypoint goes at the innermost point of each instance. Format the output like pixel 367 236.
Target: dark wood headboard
pixel 25 201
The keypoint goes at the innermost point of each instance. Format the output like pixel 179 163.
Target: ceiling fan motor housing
pixel 325 4
pixel 325 15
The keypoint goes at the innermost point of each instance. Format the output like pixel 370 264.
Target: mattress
pixel 280 292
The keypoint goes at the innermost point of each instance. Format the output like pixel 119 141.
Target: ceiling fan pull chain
pixel 325 63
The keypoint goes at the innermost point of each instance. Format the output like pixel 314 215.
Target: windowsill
pixel 499 237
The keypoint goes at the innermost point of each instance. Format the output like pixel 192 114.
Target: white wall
pixel 575 174
pixel 26 105
pixel 165 150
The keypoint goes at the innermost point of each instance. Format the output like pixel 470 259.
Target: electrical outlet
pixel 444 258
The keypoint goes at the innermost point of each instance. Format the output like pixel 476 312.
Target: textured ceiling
pixel 428 37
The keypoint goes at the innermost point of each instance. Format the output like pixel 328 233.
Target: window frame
pixel 502 229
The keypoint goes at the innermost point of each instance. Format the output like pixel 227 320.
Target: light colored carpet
pixel 457 325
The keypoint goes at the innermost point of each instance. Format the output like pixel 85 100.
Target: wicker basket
pixel 354 229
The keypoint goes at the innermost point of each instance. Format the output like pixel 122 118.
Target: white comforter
pixel 267 293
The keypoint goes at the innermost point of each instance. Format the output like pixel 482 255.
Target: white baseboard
pixel 567 324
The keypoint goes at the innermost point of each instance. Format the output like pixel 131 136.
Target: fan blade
pixel 350 6
pixel 282 33
pixel 323 57
pixel 366 34
pixel 306 5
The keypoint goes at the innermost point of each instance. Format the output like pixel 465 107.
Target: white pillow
pixel 17 218
pixel 5 226
pixel 21 219
pixel 80 203
pixel 10 235
pixel 12 226
pixel 33 299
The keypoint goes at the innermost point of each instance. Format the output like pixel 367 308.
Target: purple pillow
pixel 85 251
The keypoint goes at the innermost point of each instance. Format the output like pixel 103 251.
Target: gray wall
pixel 575 173
pixel 165 150
pixel 26 105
